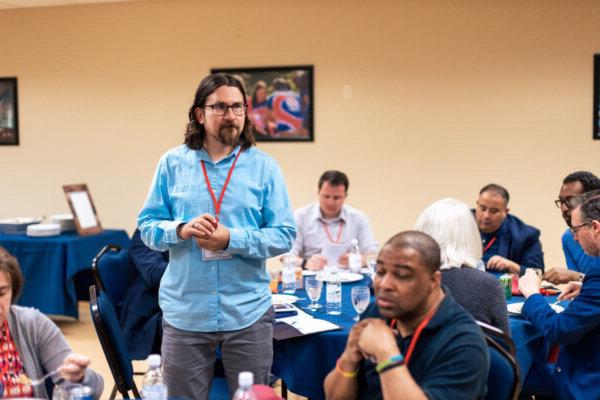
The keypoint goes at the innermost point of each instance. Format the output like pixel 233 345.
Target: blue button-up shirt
pixel 225 294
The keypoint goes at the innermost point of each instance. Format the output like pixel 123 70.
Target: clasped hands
pixel 207 232
pixel 370 339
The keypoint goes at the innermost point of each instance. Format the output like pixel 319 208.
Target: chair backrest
pixel 110 268
pixel 112 341
pixel 499 337
pixel 504 378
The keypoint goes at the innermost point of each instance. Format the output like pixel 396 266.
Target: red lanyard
pixel 339 235
pixel 417 333
pixel 210 189
pixel 489 244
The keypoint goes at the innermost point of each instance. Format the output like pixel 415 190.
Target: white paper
pixel 333 252
pixel 83 209
pixel 307 324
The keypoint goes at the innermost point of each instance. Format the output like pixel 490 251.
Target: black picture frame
pixel 9 112
pixel 286 112
pixel 596 111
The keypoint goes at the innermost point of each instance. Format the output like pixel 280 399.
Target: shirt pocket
pixel 189 201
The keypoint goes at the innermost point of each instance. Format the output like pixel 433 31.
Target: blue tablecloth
pixel 50 263
pixel 303 363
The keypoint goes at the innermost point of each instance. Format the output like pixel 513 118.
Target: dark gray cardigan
pixel 479 293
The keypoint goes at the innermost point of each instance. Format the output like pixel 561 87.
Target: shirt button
pixel 558 369
pixel 214 292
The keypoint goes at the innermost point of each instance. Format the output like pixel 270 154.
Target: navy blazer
pixel 576 374
pixel 141 317
pixel 520 243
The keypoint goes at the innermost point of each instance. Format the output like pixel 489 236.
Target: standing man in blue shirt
pixel 221 208
pixel 578 263
pixel 509 244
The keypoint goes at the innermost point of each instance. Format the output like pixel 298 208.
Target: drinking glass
pixel 361 296
pixel 313 287
pixel 372 265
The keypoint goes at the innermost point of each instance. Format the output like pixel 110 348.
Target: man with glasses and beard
pixel 578 262
pixel 221 208
pixel 575 332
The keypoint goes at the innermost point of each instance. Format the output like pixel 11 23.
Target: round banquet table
pixel 304 362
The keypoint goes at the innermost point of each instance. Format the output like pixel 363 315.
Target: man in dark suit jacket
pixel 141 317
pixel 509 244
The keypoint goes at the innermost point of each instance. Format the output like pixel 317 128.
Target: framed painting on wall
pixel 596 111
pixel 9 115
pixel 280 101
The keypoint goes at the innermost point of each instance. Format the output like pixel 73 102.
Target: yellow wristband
pixel 345 374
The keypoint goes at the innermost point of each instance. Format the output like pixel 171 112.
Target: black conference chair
pixel 499 337
pixel 113 345
pixel 504 378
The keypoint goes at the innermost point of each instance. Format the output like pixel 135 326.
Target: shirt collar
pixel 204 156
pixel 318 215
pixel 444 312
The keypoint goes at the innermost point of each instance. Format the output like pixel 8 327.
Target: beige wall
pixel 447 96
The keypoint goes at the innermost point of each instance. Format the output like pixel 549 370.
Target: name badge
pixel 215 255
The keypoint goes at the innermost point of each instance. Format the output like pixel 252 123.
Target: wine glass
pixel 313 288
pixel 361 296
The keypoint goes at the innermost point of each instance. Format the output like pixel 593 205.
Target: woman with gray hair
pixel 451 223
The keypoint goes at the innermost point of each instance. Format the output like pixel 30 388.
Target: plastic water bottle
pixel 288 275
pixel 334 293
pixel 153 385
pixel 244 391
pixel 354 257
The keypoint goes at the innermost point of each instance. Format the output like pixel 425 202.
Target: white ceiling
pixel 5 4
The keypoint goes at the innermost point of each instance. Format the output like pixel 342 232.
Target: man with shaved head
pixel 414 342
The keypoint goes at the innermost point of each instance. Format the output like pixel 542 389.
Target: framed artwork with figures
pixel 280 101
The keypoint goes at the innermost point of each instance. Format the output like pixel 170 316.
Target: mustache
pixel 230 124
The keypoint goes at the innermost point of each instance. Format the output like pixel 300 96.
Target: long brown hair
pixel 194 135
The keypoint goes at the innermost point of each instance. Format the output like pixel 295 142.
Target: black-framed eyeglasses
pixel 566 202
pixel 220 109
pixel 575 229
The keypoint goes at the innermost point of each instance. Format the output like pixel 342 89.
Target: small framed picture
pixel 280 101
pixel 9 112
pixel 596 111
pixel 82 208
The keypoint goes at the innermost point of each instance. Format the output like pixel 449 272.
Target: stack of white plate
pixel 17 225
pixel 66 222
pixel 39 230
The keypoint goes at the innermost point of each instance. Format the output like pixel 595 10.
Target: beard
pixel 229 134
